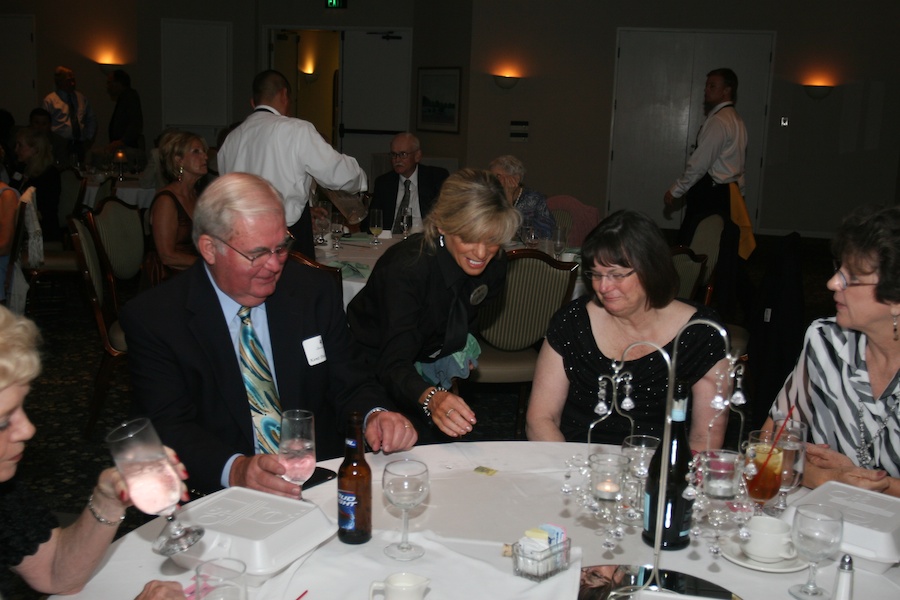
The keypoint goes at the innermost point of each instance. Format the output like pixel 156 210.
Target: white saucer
pixel 732 551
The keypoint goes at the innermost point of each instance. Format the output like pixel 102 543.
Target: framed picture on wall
pixel 438 100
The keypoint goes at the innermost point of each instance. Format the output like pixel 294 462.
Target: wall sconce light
pixel 818 92
pixel 311 77
pixel 504 82
pixel 109 68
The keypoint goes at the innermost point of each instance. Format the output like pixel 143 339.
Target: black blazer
pixel 186 377
pixel 387 187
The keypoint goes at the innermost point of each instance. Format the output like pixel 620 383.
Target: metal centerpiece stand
pixel 727 397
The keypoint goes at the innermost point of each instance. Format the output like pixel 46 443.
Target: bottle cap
pixel 846 563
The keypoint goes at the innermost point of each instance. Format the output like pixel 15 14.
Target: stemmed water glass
pixel 792 442
pixel 153 484
pixel 405 485
pixel 560 239
pixel 297 446
pixel 406 221
pixel 375 225
pixel 529 237
pixel 720 484
pixel 337 229
pixel 640 450
pixel 816 533
pixel 763 469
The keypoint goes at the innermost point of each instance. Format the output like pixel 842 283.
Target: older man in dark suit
pixel 200 347
pixel 408 185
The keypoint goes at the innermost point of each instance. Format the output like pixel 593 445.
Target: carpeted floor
pixel 63 465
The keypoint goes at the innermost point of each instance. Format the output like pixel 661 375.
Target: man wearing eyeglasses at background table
pixel 390 188
pixel 197 365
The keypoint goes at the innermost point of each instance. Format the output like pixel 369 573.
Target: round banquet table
pixel 481 512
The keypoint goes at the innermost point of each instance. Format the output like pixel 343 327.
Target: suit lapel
pixel 284 312
pixel 210 329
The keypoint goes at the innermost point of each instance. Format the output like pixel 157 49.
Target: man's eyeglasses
pixel 613 277
pixel 259 258
pixel 402 155
pixel 843 284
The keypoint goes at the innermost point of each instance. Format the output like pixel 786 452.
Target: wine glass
pixel 405 485
pixel 153 484
pixel 221 579
pixel 297 447
pixel 406 221
pixel 720 483
pixel 763 469
pixel 529 237
pixel 375 225
pixel 337 229
pixel 639 449
pixel 816 533
pixel 560 239
pixel 793 447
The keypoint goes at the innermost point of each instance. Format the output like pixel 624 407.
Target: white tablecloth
pixel 480 511
pixel 129 191
pixel 355 250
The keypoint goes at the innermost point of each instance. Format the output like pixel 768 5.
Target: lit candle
pixel 719 488
pixel 120 156
pixel 606 490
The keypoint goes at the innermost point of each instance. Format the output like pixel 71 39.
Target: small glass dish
pixel 538 566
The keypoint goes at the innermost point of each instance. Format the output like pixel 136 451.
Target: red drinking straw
pixel 777 437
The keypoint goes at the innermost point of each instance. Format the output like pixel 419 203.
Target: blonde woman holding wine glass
pixel 51 559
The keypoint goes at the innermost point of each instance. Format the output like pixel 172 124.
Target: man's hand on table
pixel 825 464
pixel 262 472
pixel 389 432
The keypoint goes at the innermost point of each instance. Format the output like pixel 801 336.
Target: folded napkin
pixel 456 568
pixel 358 237
pixel 352 269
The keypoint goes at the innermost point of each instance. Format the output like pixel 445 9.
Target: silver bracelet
pixel 428 398
pixel 100 517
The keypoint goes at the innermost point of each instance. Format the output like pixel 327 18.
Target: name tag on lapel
pixel 315 350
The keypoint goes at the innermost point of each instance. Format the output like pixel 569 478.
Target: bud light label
pixel 350 442
pixel 347 510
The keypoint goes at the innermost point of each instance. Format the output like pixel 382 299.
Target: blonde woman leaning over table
pixel 628 268
pixel 50 559
pixel 414 319
pixel 846 384
pixel 183 160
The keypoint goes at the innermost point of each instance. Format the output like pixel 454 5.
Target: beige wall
pixel 836 153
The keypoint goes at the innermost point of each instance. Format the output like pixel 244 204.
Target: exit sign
pixel 335 3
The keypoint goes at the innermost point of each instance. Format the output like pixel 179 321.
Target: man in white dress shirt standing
pixel 289 153
pixel 71 115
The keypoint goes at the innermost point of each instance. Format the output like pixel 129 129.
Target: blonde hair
pixel 43 151
pixel 473 206
pixel 20 361
pixel 174 145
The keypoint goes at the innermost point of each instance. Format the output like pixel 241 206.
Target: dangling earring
pixel 441 242
pixel 896 337
pixel 180 172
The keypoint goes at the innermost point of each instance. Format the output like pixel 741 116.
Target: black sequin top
pixel 24 524
pixel 570 335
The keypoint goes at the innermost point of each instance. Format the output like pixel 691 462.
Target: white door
pixel 376 69
pixel 658 109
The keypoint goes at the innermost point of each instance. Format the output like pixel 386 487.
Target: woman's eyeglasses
pixel 613 277
pixel 843 284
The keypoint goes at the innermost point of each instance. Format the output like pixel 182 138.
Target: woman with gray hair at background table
pixel 846 384
pixel 51 559
pixel 414 318
pixel 531 204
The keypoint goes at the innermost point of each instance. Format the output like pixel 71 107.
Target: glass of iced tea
pixel 763 467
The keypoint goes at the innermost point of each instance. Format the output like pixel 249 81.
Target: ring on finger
pixel 448 412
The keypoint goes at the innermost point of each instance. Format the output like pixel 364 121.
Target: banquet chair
pixel 706 240
pixel 15 250
pixel 584 217
pixel 563 218
pixel 333 271
pixel 118 235
pixel 71 199
pixel 512 325
pixel 691 268
pixel 105 314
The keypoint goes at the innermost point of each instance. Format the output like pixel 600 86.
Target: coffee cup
pixel 401 586
pixel 567 257
pixel 770 540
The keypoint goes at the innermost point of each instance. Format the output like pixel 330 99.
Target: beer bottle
pixel 355 488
